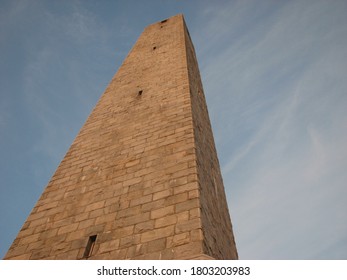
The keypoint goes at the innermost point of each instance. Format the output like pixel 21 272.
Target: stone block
pixel 186 188
pixel 141 200
pixel 157 233
pixel 188 250
pixel 188 225
pixel 156 245
pixel 95 205
pixel 108 246
pixel 178 239
pixel 68 228
pixel 166 221
pixel 187 205
pixel 86 223
pixel 123 231
pixel 144 226
pixel 162 212
pixel 162 194
pixel 136 219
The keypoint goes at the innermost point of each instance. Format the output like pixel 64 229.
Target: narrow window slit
pixel 140 92
pixel 162 22
pixel 90 246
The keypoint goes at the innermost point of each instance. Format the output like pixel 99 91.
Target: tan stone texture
pixel 142 174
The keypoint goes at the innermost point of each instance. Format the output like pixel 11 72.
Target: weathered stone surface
pixel 142 179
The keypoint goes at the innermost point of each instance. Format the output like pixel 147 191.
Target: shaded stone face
pixel 142 178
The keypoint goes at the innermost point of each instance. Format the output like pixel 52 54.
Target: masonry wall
pixel 132 179
pixel 216 224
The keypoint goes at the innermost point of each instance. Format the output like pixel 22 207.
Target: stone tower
pixel 142 179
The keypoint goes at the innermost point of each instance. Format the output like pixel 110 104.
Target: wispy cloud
pixel 54 78
pixel 277 100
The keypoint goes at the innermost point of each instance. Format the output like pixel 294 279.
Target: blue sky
pixel 274 74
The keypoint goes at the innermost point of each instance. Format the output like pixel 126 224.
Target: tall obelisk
pixel 142 179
